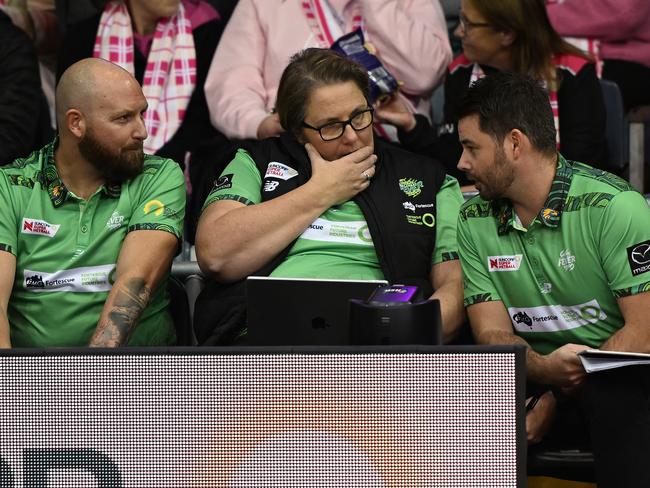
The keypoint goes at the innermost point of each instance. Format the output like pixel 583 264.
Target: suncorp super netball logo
pixel 504 263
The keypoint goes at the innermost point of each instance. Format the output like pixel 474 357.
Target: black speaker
pixel 374 323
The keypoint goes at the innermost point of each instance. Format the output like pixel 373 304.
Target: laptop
pixel 302 311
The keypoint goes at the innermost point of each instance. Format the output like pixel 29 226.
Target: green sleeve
pixel 8 219
pixel 240 181
pixel 624 244
pixel 478 286
pixel 159 198
pixel 448 202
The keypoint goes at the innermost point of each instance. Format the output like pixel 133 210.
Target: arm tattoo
pixel 116 326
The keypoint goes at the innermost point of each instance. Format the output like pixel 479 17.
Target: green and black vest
pixel 399 207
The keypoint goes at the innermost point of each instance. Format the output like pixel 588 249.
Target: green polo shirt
pixel 66 248
pixel 560 278
pixel 338 245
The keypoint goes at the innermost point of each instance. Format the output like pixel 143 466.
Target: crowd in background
pixel 227 57
pixel 293 161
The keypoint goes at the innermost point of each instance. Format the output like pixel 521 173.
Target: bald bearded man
pixel 89 224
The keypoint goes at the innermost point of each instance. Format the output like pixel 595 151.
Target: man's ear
pixel 516 142
pixel 75 123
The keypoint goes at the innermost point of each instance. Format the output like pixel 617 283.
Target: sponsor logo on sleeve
pixel 155 206
pixel 39 228
pixel 553 318
pixel 504 263
pixel 87 279
pixel 280 171
pixel 222 183
pixel 639 257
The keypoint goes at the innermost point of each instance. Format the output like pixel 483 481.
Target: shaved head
pixel 100 116
pixel 83 85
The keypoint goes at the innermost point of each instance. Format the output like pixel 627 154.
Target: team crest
pixel 410 186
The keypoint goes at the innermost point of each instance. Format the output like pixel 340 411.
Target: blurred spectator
pixel 409 36
pixel 38 19
pixel 168 46
pixel 74 11
pixel 514 35
pixel 623 29
pixel 451 8
pixel 225 8
pixel 24 117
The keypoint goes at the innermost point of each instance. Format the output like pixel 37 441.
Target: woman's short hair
pixel 310 69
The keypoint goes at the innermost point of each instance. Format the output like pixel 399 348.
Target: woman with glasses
pixel 514 35
pixel 328 200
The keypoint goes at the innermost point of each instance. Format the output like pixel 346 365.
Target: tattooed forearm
pixel 122 310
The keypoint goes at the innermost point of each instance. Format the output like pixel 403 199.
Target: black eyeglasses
pixel 467 24
pixel 334 130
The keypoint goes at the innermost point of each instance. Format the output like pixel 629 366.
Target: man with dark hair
pixel 89 224
pixel 326 200
pixel 550 256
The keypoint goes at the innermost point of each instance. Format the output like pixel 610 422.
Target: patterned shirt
pixel 560 278
pixel 66 247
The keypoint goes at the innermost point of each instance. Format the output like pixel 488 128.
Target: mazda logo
pixel 641 254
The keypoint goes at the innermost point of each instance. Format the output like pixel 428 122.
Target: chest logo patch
pixel 567 260
pixel 115 222
pixel 409 206
pixel 280 171
pixel 504 263
pixel 39 228
pixel 410 186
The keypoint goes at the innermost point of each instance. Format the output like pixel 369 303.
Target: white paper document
pixel 596 360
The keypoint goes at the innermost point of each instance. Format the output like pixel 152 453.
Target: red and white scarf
pixel 170 74
pixel 327 26
pixel 326 23
pixel 589 46
pixel 478 73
